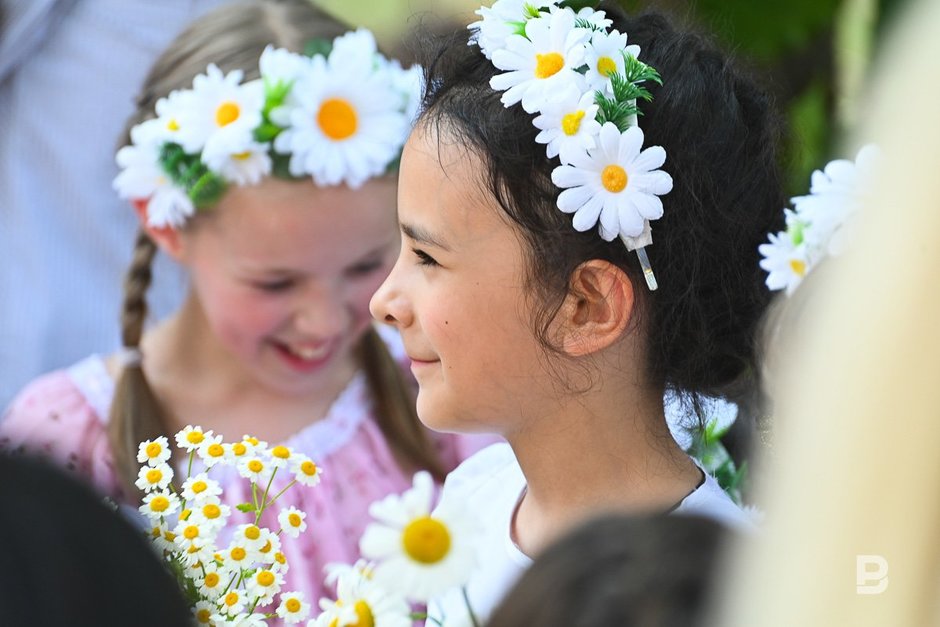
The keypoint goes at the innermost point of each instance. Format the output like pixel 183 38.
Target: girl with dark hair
pixel 562 333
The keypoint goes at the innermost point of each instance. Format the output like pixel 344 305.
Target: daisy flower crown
pixel 818 225
pixel 339 114
pixel 583 82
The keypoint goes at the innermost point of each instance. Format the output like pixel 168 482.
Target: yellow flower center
pixel 265 578
pixel 199 486
pixel 279 558
pixel 160 504
pixel 192 549
pixel 364 617
pixel 255 466
pixel 308 468
pixel 281 452
pixel 190 532
pixel 267 547
pixel 241 156
pixel 606 66
pixel 238 554
pixel 212 580
pixel 185 514
pixel 154 475
pixel 571 122
pixel 169 536
pixel 614 178
pixel 292 605
pixel 203 616
pixel 251 440
pixel 211 511
pixel 239 449
pixel 799 267
pixel 215 450
pixel 294 519
pixel 172 125
pixel 252 532
pixel 548 64
pixel 426 540
pixel 153 449
pixel 337 119
pixel 195 437
pixel 227 113
pixel 231 598
pixel 156 532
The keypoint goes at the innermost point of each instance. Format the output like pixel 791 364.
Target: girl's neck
pixel 600 452
pixel 199 382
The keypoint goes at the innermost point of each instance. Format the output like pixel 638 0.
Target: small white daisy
pixel 161 537
pixel 605 57
pixel 265 583
pixel 279 65
pixel 598 19
pixel 199 487
pixel 293 607
pixel 614 186
pixel 254 469
pixel 202 612
pixel 214 581
pixel 292 521
pixel 243 161
pixel 238 555
pixel 542 64
pixel 190 437
pixel 154 477
pixel 306 471
pixel 359 601
pixel 143 178
pixel 269 549
pixel 154 452
pixel 211 512
pixel 159 505
pixel 281 456
pixel 250 536
pixel 501 20
pixel 211 450
pixel 568 125
pixel 232 602
pixel 419 553
pixel 220 107
pixel 785 262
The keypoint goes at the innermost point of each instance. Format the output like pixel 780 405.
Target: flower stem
pixel 466 599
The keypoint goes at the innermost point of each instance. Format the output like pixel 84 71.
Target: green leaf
pixel 245 507
pixel 318 46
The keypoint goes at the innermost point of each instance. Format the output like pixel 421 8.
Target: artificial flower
pixel 568 125
pixel 222 111
pixel 143 178
pixel 543 63
pixel 614 186
pixel 604 56
pixel 502 19
pixel 785 262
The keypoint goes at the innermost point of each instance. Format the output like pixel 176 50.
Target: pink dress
pixel 63 416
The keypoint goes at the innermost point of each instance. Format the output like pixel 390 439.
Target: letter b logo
pixel 871 574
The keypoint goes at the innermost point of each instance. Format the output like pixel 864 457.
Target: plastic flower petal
pixel 143 178
pixel 614 186
pixel 419 553
pixel 785 262
pixel 605 57
pixel 501 20
pixel 569 125
pixel 543 63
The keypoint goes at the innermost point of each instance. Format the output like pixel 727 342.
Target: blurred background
pixel 814 55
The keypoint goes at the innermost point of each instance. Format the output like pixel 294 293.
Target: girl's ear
pixel 597 309
pixel 167 238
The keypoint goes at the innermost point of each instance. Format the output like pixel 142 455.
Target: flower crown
pixel 339 115
pixel 583 81
pixel 818 223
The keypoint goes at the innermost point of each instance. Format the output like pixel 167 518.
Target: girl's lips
pixel 306 359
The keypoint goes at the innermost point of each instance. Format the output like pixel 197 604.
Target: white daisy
pixel 219 110
pixel 232 602
pixel 190 437
pixel 264 584
pixel 243 620
pixel 342 117
pixel 292 521
pixel 244 162
pixel 159 505
pixel 255 446
pixel 211 450
pixel 306 471
pixel 154 477
pixel 280 562
pixel 199 487
pixel 166 126
pixel 542 64
pixel 605 57
pixel 614 186
pixel 268 551
pixel 359 601
pixel 211 512
pixel 154 452
pixel 568 125
pixel 293 607
pixel 250 536
pixel 417 553
pixel 598 19
pixel 279 65
pixel 785 261
pixel 143 178
pixel 281 456
pixel 501 20
pixel 238 555
pixel 161 536
pixel 214 581
pixel 202 612
pixel 254 469
pixel 238 450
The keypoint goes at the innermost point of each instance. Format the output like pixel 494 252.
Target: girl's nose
pixel 389 304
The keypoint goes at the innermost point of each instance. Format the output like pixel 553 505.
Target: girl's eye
pixel 281 285
pixel 424 259
pixel 364 269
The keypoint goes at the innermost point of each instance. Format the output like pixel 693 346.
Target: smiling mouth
pixel 309 353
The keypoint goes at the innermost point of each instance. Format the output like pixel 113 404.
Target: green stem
pixel 278 495
pixel 264 497
pixel 466 599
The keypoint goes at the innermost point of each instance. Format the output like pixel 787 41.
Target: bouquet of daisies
pixel 236 582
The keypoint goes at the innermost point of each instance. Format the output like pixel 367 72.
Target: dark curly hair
pixel 720 135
